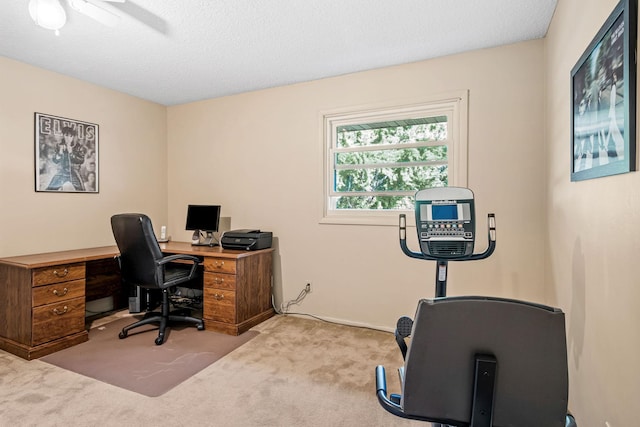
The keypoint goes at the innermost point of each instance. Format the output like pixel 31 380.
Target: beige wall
pixel 260 156
pixel 592 243
pixel 133 152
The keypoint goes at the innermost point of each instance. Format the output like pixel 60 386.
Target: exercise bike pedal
pixel 404 326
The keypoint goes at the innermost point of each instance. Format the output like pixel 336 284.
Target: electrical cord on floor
pixel 186 298
pixel 296 301
pixel 300 298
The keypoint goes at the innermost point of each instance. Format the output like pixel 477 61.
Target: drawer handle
pixel 64 272
pixel 218 264
pixel 218 280
pixel 60 294
pixel 218 296
pixel 58 312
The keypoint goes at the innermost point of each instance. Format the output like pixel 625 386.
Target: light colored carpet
pixel 296 372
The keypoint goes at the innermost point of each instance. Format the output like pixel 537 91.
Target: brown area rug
pixel 136 363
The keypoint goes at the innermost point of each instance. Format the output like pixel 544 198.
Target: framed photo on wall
pixel 603 99
pixel 66 155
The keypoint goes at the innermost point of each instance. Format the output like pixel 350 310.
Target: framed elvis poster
pixel 603 99
pixel 66 155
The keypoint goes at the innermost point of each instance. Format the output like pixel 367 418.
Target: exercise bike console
pixel 445 224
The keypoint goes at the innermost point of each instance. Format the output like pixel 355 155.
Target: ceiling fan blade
pixel 94 11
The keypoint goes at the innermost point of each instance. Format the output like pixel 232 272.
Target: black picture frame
pixel 66 155
pixel 603 99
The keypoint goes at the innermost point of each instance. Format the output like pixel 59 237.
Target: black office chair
pixel 482 362
pixel 143 264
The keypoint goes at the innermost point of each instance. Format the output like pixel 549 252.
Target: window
pixel 377 158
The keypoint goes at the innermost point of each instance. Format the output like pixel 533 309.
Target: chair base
pixel 163 321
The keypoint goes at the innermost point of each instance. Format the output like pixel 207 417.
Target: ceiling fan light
pixel 48 14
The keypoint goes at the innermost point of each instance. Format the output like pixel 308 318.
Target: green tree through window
pixel 377 158
pixel 389 160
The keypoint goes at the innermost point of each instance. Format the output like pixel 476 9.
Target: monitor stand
pixel 207 240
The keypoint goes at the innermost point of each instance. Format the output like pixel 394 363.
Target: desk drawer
pixel 57 320
pixel 220 305
pixel 220 281
pixel 58 292
pixel 220 265
pixel 58 273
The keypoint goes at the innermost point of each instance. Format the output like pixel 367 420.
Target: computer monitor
pixel 203 219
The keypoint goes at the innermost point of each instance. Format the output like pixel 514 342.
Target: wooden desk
pixel 42 296
pixel 236 285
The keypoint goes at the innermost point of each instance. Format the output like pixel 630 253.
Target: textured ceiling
pixel 178 51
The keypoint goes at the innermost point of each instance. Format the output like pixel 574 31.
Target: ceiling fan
pixel 51 15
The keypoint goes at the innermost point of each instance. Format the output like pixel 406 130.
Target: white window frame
pixel 454 105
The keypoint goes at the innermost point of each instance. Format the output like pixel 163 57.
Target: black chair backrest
pixel 527 340
pixel 139 249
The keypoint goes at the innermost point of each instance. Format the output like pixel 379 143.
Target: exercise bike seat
pixel 483 361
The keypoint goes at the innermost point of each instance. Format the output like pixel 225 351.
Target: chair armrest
pixel 160 264
pixel 176 257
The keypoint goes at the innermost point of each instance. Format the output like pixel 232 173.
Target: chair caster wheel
pixel 122 335
pixel 159 340
pixel 201 327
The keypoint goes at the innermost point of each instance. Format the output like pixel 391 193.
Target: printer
pixel 246 239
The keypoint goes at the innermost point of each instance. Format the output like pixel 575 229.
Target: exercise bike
pixel 474 361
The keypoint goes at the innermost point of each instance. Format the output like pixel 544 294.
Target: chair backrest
pixel 527 340
pixel 139 249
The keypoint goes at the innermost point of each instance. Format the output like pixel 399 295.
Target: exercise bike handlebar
pixel 491 237
pixel 381 392
pixel 388 404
